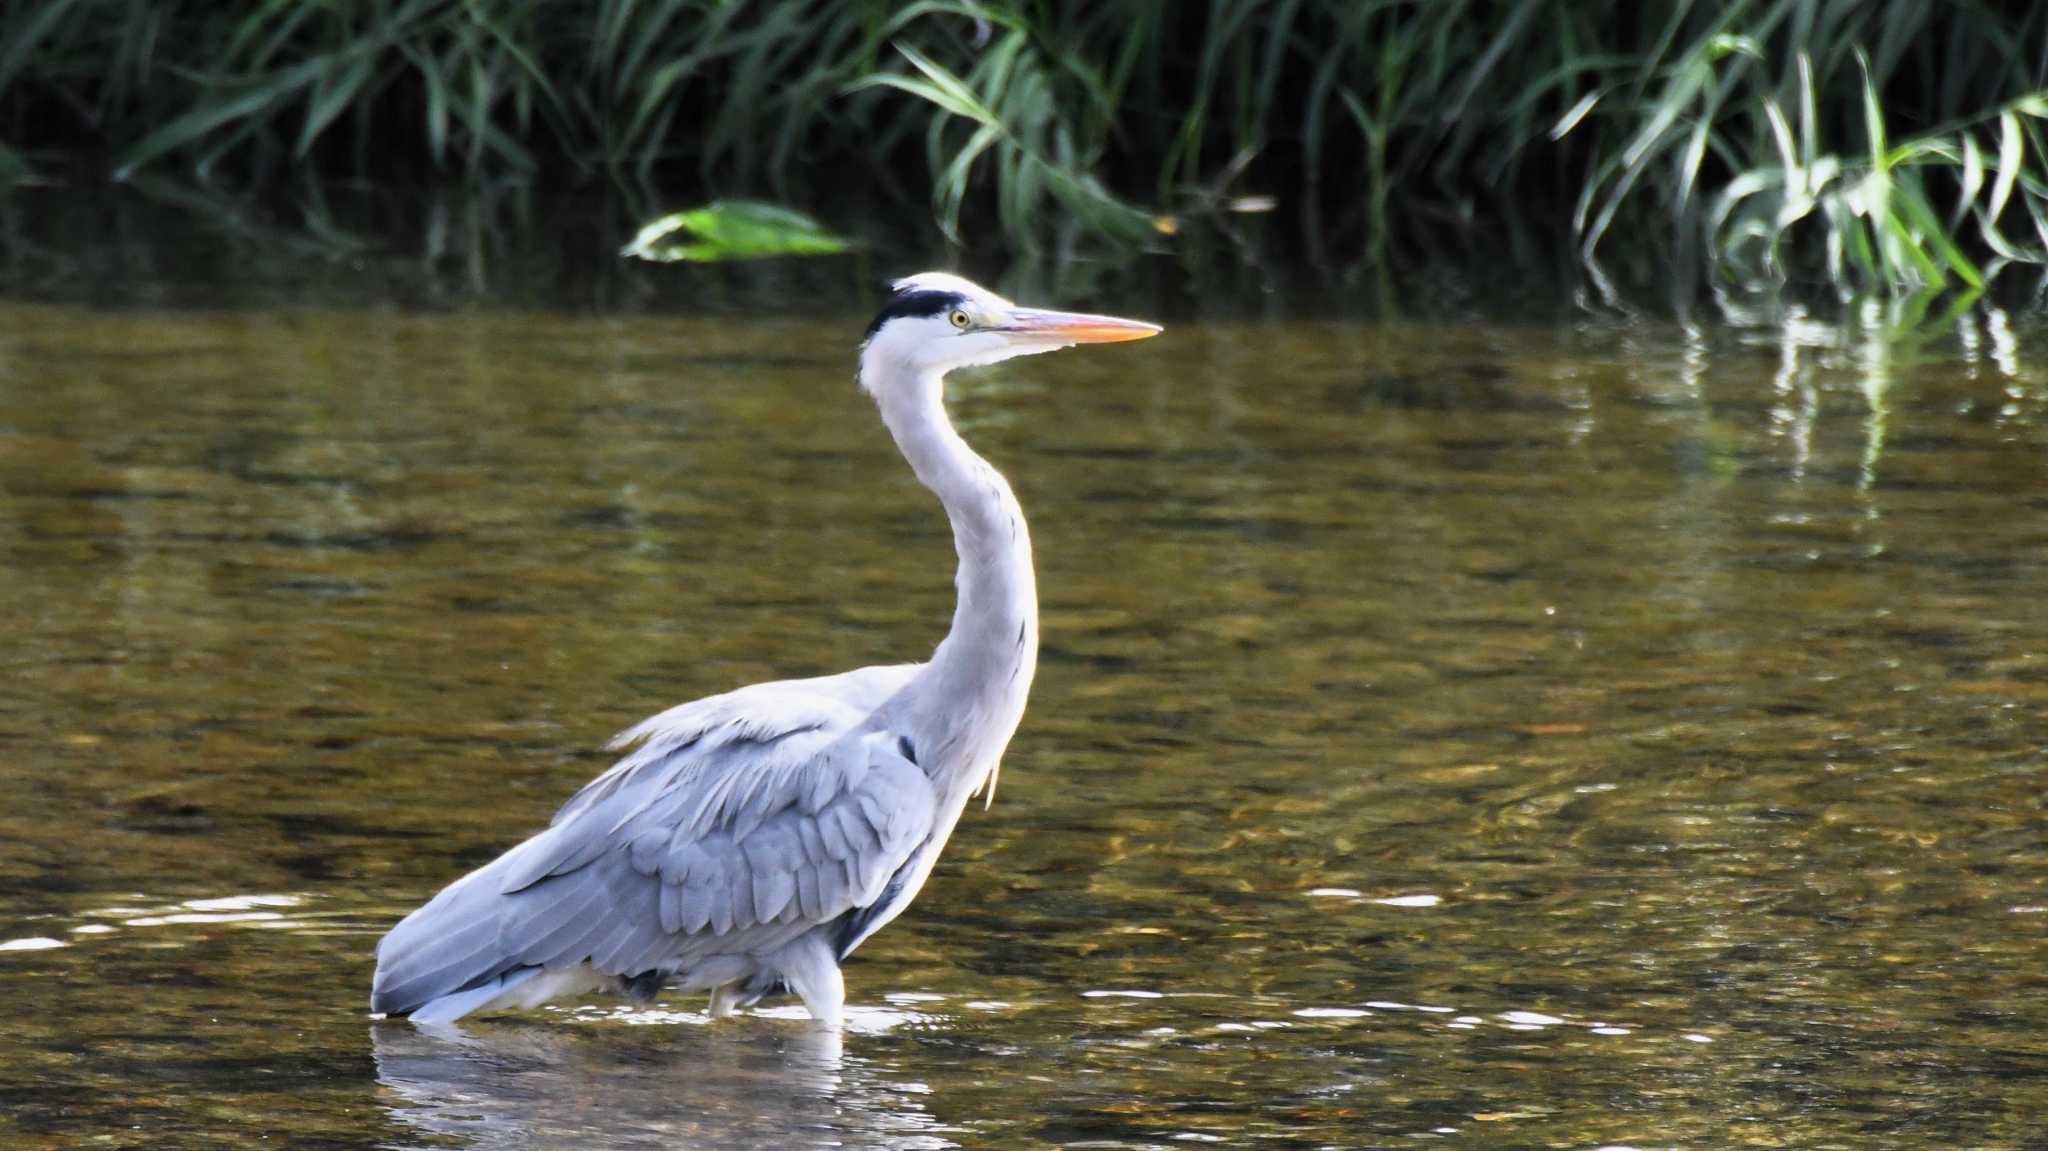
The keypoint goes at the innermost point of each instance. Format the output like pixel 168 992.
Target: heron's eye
pixel 959 319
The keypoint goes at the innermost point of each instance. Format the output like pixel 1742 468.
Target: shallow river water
pixel 1568 734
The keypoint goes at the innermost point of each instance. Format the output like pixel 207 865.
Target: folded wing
pixel 738 824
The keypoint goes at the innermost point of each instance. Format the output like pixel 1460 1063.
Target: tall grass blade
pixel 331 97
pixel 193 126
pixel 2010 153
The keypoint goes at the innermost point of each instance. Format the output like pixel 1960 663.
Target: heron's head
pixel 935 322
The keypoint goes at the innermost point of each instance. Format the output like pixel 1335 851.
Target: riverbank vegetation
pixel 1888 145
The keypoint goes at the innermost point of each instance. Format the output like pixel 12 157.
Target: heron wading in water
pixel 748 842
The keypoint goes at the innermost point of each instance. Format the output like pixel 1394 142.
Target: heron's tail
pixel 497 989
pixel 446 958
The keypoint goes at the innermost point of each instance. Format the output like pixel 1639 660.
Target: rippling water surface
pixel 1560 735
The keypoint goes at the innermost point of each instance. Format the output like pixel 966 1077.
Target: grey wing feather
pixel 810 906
pixel 826 861
pixel 694 731
pixel 738 822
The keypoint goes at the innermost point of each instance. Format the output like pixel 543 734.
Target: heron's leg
pixel 812 971
pixel 724 998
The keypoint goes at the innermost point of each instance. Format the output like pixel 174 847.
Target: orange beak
pixel 1077 327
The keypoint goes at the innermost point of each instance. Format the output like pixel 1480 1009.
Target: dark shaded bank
pixel 176 244
pixel 173 244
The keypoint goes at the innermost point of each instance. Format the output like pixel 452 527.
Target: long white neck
pixel 968 700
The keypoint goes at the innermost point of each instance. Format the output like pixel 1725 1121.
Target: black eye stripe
pixel 916 303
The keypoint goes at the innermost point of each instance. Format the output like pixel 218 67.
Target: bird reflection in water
pixel 514 1088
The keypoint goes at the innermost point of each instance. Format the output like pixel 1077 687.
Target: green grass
pixel 1892 145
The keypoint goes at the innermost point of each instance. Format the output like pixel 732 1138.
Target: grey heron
pixel 746 843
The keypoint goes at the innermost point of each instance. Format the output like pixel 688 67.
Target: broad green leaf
pixel 733 230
